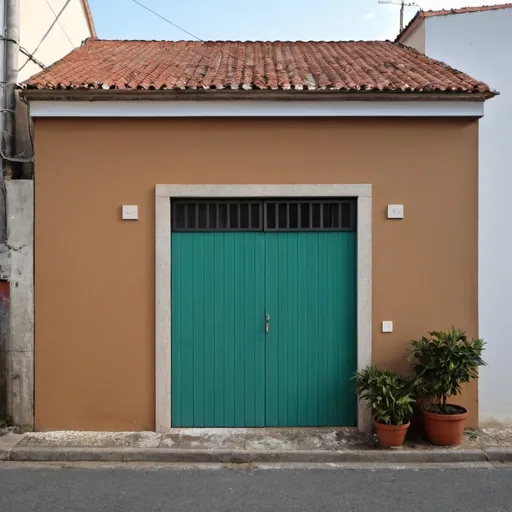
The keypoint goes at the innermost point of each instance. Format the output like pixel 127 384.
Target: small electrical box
pixel 395 211
pixel 387 326
pixel 130 212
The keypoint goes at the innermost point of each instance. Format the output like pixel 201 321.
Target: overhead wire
pixel 167 20
pixel 31 57
pixel 59 23
pixel 24 51
pixel 56 20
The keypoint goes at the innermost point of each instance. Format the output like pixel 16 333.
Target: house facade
pixel 225 232
pixel 478 40
pixel 36 34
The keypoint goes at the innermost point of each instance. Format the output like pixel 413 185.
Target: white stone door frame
pixel 164 194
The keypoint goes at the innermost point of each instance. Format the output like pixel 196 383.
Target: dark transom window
pixel 267 215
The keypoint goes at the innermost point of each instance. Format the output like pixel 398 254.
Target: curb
pixel 162 455
pixel 7 443
pixel 499 454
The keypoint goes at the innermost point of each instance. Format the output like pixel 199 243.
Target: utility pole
pixel 10 35
pixel 12 44
pixel 16 238
pixel 402 8
pixel 402 5
pixel 10 379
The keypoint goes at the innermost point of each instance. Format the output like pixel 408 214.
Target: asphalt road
pixel 146 488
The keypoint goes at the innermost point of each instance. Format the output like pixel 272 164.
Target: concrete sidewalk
pixel 305 445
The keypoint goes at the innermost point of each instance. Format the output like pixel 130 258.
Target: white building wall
pixel 417 38
pixel 480 44
pixel 49 40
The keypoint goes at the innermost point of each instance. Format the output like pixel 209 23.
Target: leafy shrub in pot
pixel 442 363
pixel 390 400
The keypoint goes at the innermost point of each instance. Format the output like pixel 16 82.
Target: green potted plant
pixel 390 400
pixel 442 363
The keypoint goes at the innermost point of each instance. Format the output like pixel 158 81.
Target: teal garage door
pixel 263 313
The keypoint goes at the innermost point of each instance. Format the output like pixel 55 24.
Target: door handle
pixel 267 322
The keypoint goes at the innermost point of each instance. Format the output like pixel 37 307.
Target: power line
pixel 168 20
pixel 56 20
pixel 185 31
pixel 24 51
pixel 60 25
pixel 31 57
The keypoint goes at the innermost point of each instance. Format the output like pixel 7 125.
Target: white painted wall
pixel 417 38
pixel 36 19
pixel 480 44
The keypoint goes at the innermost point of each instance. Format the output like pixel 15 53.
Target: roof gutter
pixel 229 94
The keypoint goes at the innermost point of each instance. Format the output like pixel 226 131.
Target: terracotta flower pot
pixel 444 429
pixel 391 436
pixel 417 421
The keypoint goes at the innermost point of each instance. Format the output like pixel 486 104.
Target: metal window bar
pixel 209 215
pixel 311 215
pixel 264 215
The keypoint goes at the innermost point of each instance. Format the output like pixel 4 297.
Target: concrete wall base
pixel 18 341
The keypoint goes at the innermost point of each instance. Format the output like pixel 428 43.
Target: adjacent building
pixel 479 40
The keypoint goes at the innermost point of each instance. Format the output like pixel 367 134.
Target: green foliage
pixel 388 395
pixel 473 435
pixel 6 422
pixel 443 362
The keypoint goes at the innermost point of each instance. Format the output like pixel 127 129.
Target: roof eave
pixel 229 94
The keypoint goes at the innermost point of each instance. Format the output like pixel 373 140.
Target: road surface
pixel 81 488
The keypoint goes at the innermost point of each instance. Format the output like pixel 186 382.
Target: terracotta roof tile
pixel 421 15
pixel 462 10
pixel 183 65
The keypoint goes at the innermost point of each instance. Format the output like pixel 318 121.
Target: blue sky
pixel 261 19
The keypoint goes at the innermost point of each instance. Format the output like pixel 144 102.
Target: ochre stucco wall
pixel 94 273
